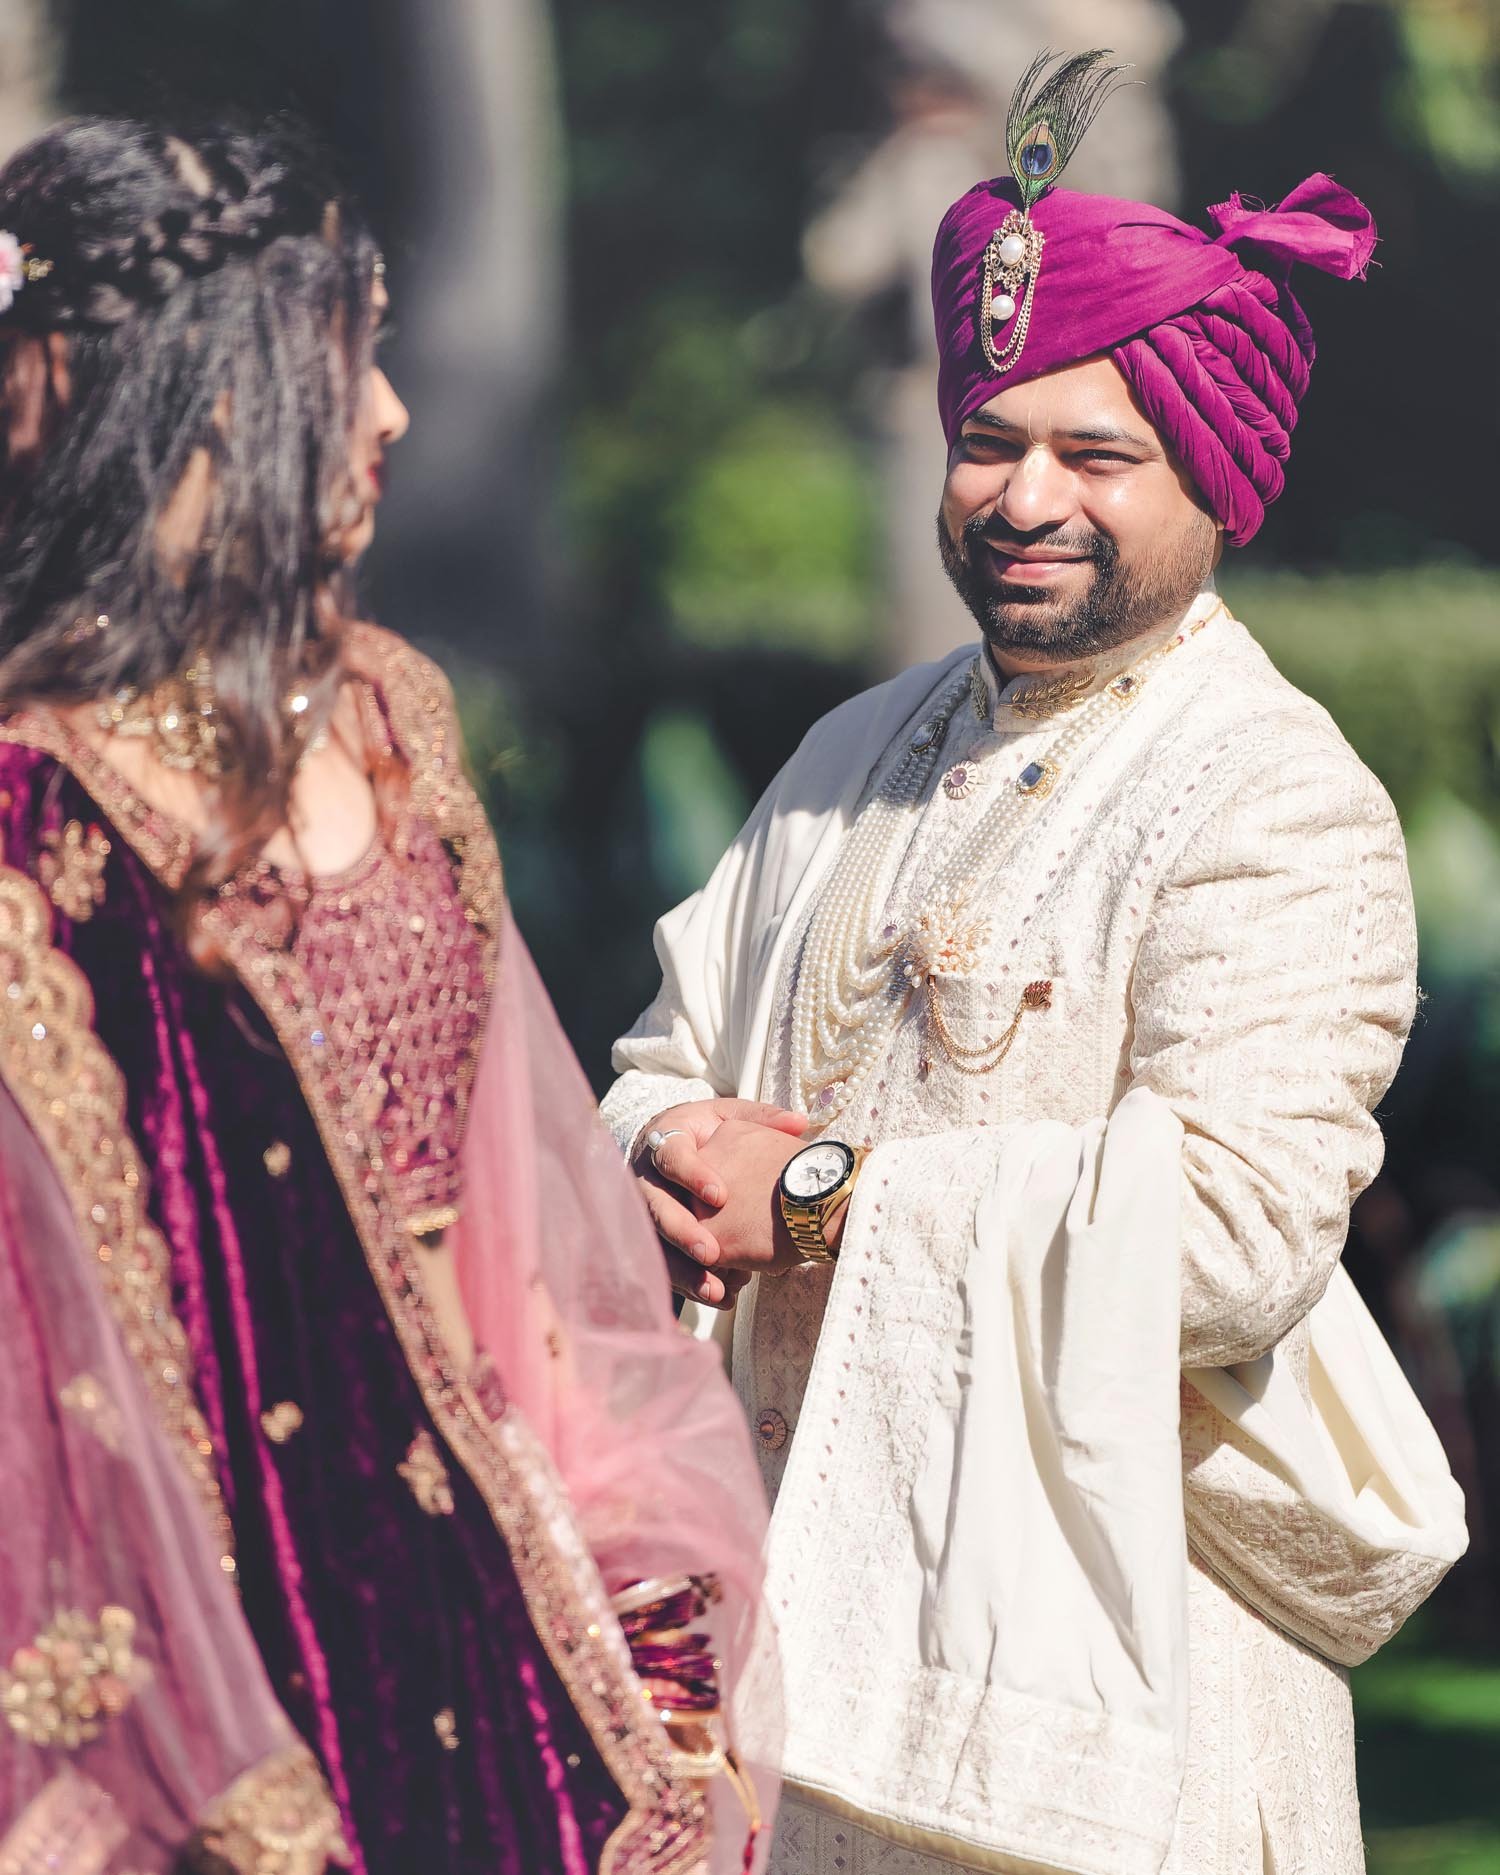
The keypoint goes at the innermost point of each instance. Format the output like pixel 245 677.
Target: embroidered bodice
pixel 398 971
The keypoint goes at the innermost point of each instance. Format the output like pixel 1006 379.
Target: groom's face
pixel 1067 526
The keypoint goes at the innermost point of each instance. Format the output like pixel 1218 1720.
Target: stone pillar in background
pixel 27 71
pixel 953 64
pixel 480 314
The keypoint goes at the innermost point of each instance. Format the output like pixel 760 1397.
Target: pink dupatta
pixel 566 1291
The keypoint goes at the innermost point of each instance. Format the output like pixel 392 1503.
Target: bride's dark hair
pixel 215 297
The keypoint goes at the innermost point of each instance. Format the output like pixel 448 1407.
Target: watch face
pixel 817 1170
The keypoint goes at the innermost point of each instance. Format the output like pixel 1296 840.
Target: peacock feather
pixel 1048 116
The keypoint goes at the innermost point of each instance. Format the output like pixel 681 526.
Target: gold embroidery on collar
pixel 70 867
pixel 427 1476
pixel 419 700
pixel 75 1675
pixel 165 846
pixel 979 690
pixel 275 1820
pixel 1046 696
pixel 74 1096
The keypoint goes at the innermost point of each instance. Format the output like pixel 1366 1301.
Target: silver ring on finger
pixel 656 1139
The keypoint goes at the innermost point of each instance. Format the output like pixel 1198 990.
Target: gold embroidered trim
pixel 74 1096
pixel 427 1475
pixel 275 1820
pixel 62 1687
pixel 70 867
pixel 419 700
pixel 70 1827
pixel 166 847
pixel 87 1400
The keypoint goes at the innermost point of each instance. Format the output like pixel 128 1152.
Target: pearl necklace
pixel 861 965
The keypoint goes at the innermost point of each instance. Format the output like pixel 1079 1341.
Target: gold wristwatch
pixel 814 1183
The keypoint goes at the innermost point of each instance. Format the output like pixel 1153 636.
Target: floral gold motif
pixel 427 1475
pixel 76 1674
pixel 88 1401
pixel 277 1158
pixel 74 1096
pixel 275 1820
pixel 70 867
pixel 280 1421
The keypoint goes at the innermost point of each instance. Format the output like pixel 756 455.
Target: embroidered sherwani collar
pixel 1012 703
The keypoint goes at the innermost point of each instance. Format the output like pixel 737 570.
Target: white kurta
pixel 1216 892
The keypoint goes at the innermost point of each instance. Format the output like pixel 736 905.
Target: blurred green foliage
pixel 1406 660
pixel 1428 1730
pixel 1449 89
pixel 772 544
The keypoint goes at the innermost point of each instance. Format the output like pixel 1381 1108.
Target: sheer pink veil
pixel 566 1290
pixel 108 1571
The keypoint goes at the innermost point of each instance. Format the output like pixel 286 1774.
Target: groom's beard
pixel 1119 603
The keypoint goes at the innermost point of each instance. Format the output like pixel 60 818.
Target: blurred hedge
pixel 1407 661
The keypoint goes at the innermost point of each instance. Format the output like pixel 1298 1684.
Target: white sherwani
pixel 1216 892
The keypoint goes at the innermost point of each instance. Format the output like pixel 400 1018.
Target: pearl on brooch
pixel 1002 307
pixel 1012 251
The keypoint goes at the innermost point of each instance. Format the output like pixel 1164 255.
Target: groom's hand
pixel 682 1187
pixel 747 1224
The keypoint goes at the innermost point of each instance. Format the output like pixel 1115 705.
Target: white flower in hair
pixel 17 267
pixel 12 269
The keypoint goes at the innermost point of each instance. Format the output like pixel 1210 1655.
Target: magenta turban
pixel 1204 327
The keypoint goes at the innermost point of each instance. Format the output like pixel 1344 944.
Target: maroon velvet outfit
pixel 383 1599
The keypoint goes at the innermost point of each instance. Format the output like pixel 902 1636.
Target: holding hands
pixel 709 1171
